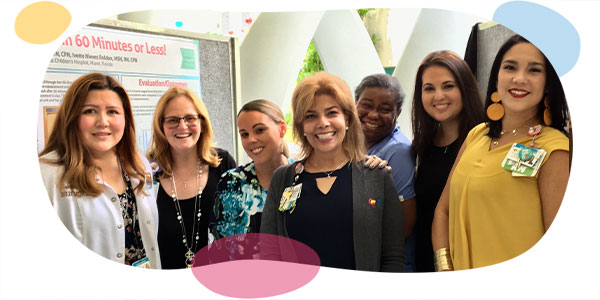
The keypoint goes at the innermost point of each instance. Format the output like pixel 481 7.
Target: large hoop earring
pixel 495 111
pixel 547 112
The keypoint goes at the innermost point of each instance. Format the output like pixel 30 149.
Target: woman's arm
pixel 392 240
pixel 269 243
pixel 552 183
pixel 439 230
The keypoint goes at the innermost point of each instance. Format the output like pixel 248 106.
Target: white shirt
pixel 97 222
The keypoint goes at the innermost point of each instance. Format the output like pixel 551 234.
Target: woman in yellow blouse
pixel 511 172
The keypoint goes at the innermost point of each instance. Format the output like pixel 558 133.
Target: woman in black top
pixel 188 170
pixel 446 105
pixel 350 215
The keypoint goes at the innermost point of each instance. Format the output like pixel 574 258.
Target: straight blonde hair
pixel 79 170
pixel 160 150
pixel 323 83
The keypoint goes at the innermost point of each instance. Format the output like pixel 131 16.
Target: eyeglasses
pixel 173 122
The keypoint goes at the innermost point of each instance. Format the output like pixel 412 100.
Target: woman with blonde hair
pixel 350 215
pixel 189 168
pixel 97 182
pixel 242 191
pixel 511 172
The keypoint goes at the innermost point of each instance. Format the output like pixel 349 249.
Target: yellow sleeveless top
pixel 494 216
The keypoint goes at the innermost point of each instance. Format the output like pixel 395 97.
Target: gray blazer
pixel 378 227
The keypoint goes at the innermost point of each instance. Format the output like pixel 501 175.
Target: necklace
pixel 533 131
pixel 186 179
pixel 331 172
pixel 189 255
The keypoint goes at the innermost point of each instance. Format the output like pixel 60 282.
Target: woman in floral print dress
pixel 242 191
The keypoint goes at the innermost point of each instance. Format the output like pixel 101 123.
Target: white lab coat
pixel 97 222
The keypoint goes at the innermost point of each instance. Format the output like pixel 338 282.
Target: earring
pixel 496 110
pixel 346 128
pixel 547 113
pixel 281 147
pixel 304 134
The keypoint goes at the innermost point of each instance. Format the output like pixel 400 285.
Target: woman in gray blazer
pixel 349 215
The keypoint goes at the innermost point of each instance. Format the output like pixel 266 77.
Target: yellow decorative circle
pixel 42 22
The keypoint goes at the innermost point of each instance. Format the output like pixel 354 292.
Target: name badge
pixel 289 197
pixel 142 263
pixel 523 161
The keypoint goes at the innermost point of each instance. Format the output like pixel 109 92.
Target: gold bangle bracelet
pixel 442 260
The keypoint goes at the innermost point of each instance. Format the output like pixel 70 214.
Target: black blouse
pixel 324 221
pixel 170 238
pixel 432 172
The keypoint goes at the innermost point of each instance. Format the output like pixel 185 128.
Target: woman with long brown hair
pixel 97 182
pixel 189 170
pixel 446 105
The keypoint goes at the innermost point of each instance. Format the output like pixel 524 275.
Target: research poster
pixel 146 65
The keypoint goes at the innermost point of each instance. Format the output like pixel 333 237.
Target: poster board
pixel 147 60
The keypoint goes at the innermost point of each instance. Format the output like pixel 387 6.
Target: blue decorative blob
pixel 178 23
pixel 552 33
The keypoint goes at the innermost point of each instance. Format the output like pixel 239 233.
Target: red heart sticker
pixel 248 21
pixel 372 202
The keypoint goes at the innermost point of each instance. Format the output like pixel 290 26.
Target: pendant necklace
pixel 514 132
pixel 189 255
pixel 331 172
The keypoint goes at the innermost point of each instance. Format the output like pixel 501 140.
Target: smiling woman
pixel 446 106
pixel 379 100
pixel 350 215
pixel 90 162
pixel 242 191
pixel 188 170
pixel 511 172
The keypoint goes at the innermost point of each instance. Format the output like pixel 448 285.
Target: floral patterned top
pixel 239 203
pixel 134 247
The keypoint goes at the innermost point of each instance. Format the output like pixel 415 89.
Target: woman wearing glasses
pixel 189 168
pixel 98 184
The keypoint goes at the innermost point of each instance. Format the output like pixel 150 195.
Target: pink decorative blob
pixel 255 265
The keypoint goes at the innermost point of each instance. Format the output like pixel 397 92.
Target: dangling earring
pixel 496 110
pixel 547 113
pixel 281 147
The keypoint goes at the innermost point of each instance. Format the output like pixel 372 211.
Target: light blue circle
pixel 178 23
pixel 552 33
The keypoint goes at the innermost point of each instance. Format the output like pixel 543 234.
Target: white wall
pixel 271 55
pixel 434 29
pixel 345 47
pixel 274 47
